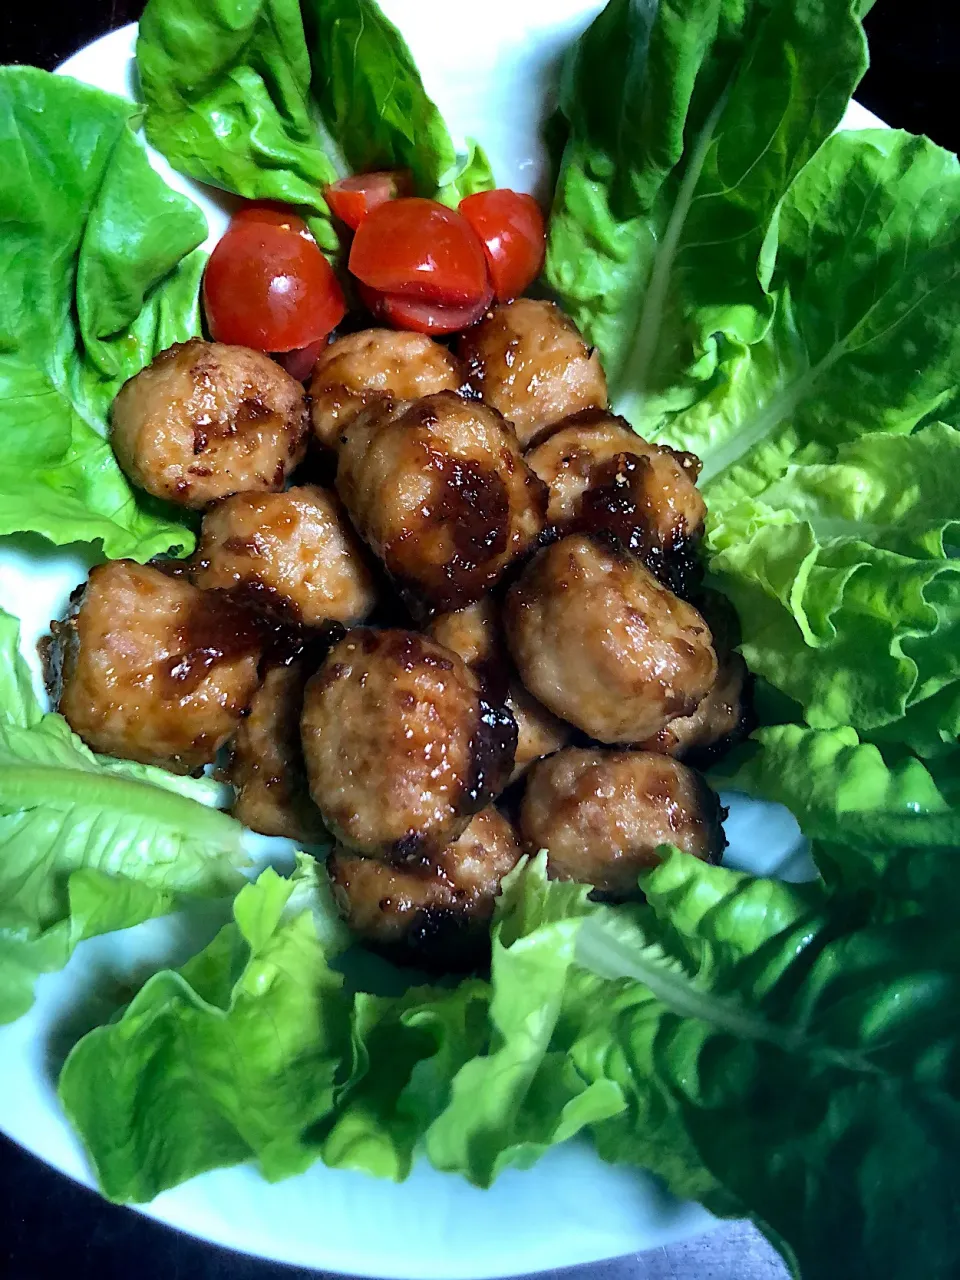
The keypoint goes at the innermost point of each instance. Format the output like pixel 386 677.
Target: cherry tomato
pixel 268 286
pixel 351 199
pixel 514 238
pixel 274 215
pixel 422 317
pixel 299 364
pixel 422 250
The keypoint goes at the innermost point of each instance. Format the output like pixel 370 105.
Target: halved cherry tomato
pixel 268 286
pixel 510 225
pixel 299 364
pixel 351 199
pixel 422 317
pixel 420 249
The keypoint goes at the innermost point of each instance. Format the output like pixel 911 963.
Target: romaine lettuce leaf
pixel 232 1057
pixel 865 332
pixel 850 599
pixel 96 277
pixel 374 105
pixel 811 1060
pixel 688 121
pixel 89 844
pixel 273 103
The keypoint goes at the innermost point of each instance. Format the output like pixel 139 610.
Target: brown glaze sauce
pixel 620 505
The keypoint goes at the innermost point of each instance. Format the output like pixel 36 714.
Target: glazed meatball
pixel 528 360
pixel 205 420
pixel 719 720
pixel 438 910
pixel 294 551
pixel 401 747
pixel 474 633
pixel 267 766
pixel 153 669
pixel 539 732
pixel 602 814
pixel 604 478
pixel 440 492
pixel 363 367
pixel 603 644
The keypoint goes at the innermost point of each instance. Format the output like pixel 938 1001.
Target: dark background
pixel 49 1226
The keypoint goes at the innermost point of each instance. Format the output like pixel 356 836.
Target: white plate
pixel 571 1208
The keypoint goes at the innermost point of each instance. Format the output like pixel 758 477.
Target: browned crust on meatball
pixel 602 815
pixel 266 764
pixel 527 359
pixel 475 634
pixel 440 492
pixel 401 746
pixel 434 913
pixel 296 546
pixel 363 368
pixel 719 722
pixel 154 670
pixel 602 644
pixel 604 478
pixel 206 420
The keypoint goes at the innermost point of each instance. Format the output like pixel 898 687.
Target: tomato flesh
pixel 422 317
pixel 351 199
pixel 268 286
pixel 422 250
pixel 512 230
pixel 299 364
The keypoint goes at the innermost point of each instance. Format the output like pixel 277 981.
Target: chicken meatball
pixel 440 492
pixel 474 633
pixel 603 644
pixel 601 815
pixel 436 911
pixel 206 420
pixel 604 478
pixel 528 361
pixel 401 747
pixel 719 720
pixel 363 367
pixel 539 732
pixel 267 766
pixel 294 551
pixel 151 669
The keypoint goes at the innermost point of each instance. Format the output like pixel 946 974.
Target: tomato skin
pixel 268 286
pixel 422 250
pixel 510 225
pixel 351 199
pixel 422 317
pixel 273 215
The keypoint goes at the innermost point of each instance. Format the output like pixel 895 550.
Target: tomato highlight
pixel 268 286
pixel 511 228
pixel 422 250
pixel 351 199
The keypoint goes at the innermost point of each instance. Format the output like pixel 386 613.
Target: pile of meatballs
pixel 444 608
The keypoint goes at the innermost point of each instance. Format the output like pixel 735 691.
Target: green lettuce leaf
pixel 89 844
pixel 888 827
pixel 849 596
pixel 272 103
pixel 96 277
pixel 374 105
pixel 687 122
pixel 233 1057
pixel 867 302
pixel 810 1059
pixel 226 85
